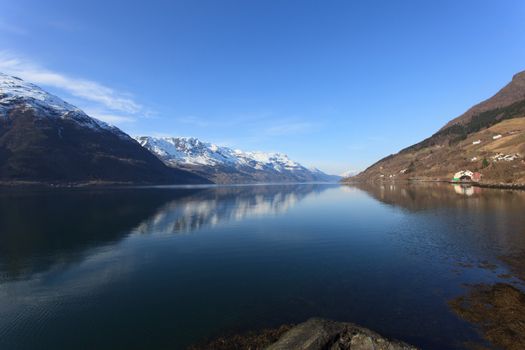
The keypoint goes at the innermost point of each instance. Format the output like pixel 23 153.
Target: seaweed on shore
pixel 498 310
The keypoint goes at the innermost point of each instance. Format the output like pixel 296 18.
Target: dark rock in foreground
pixel 314 334
pixel 319 334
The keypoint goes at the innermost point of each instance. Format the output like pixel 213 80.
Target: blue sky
pixel 334 84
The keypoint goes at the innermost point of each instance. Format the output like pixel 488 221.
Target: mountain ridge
pixel 513 92
pixel 226 165
pixel 489 137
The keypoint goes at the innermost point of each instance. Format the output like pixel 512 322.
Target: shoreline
pixel 89 184
pixel 495 185
pixel 508 186
pixel 108 184
pixel 43 184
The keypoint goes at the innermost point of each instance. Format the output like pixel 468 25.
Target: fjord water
pixel 162 268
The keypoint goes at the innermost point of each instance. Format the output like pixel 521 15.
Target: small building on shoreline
pixel 466 176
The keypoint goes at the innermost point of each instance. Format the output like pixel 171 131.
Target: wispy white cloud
pixel 106 103
pixel 114 119
pixel 110 118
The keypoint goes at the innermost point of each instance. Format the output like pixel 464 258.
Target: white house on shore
pixel 495 137
pixel 466 175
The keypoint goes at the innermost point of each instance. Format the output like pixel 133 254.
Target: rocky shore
pixel 502 185
pixel 319 334
pixel 483 184
pixel 314 334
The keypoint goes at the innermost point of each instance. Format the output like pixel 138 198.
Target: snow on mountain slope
pixel 278 161
pixel 15 92
pixel 45 140
pixel 190 150
pixel 207 158
pixel 187 150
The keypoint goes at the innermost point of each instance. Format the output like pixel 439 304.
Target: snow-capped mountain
pixel 192 151
pixel 17 93
pixel 45 139
pixel 227 165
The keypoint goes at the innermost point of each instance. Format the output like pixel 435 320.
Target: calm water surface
pixel 162 268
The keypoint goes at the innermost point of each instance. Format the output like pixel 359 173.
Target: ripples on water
pixel 166 267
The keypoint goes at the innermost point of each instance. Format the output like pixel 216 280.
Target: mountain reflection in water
pixel 223 204
pixel 39 228
pixel 424 196
pixel 490 219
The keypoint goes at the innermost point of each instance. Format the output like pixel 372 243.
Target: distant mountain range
pixel 488 138
pixel 226 165
pixel 44 139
